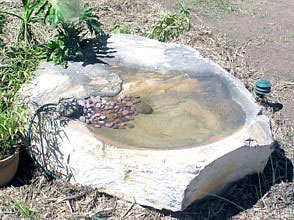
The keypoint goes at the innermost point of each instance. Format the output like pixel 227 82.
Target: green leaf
pixel 55 19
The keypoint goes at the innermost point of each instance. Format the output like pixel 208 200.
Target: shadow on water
pixel 96 51
pixel 243 194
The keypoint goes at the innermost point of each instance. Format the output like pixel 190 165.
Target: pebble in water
pixel 143 108
pixel 130 125
pixel 113 113
pixel 126 112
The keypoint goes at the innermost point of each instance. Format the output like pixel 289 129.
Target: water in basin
pixel 187 112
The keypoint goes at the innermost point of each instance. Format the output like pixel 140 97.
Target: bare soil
pixel 254 41
pixel 268 29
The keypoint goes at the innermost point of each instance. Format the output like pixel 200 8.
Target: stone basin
pixel 187 111
pixel 205 132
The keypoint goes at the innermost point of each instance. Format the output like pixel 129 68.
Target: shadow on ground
pixel 243 194
pixel 25 172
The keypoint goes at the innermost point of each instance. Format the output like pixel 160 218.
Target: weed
pixel 23 210
pixel 170 26
pixel 119 29
pixel 212 8
pixel 17 68
pixel 28 20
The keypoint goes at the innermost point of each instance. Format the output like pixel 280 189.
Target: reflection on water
pixel 187 112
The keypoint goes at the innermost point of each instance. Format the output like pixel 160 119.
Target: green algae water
pixel 187 112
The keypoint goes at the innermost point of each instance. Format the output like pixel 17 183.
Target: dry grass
pixel 269 195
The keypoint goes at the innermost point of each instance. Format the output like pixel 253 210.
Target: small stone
pixel 115 127
pixel 129 104
pixel 135 113
pixel 98 105
pixel 129 117
pixel 110 116
pixel 116 121
pixel 143 108
pixel 136 101
pixel 97 126
pixel 133 108
pixel 112 103
pixel 124 119
pixel 123 96
pixel 88 121
pixel 126 112
pixel 136 96
pixel 82 119
pixel 81 103
pixel 130 125
pixel 101 122
pixel 89 105
pixel 102 117
pixel 109 124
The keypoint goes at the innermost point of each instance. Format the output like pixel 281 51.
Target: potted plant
pixel 11 130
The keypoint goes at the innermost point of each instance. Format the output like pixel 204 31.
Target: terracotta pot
pixel 8 168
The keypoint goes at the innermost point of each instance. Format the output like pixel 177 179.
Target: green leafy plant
pixel 23 210
pixel 71 32
pixel 67 44
pixel 17 68
pixel 170 26
pixel 120 29
pixel 28 20
pixel 11 128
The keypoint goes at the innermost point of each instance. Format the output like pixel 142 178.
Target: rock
pixel 109 124
pixel 129 104
pixel 82 119
pixel 125 112
pixel 164 179
pixel 130 125
pixel 143 108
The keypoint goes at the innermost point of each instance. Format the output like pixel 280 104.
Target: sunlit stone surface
pixel 204 133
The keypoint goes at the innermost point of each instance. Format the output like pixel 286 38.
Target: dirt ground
pixel 268 29
pixel 252 40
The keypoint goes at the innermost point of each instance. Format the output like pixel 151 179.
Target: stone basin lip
pixel 164 179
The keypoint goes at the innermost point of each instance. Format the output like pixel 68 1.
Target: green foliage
pixel 170 26
pixel 11 128
pixel 67 44
pixel 16 69
pixel 92 21
pixel 18 64
pixel 119 29
pixel 71 35
pixel 28 20
pixel 23 210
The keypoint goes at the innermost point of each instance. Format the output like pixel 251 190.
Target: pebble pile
pixel 116 113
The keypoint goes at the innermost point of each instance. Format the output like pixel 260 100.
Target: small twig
pixel 129 209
